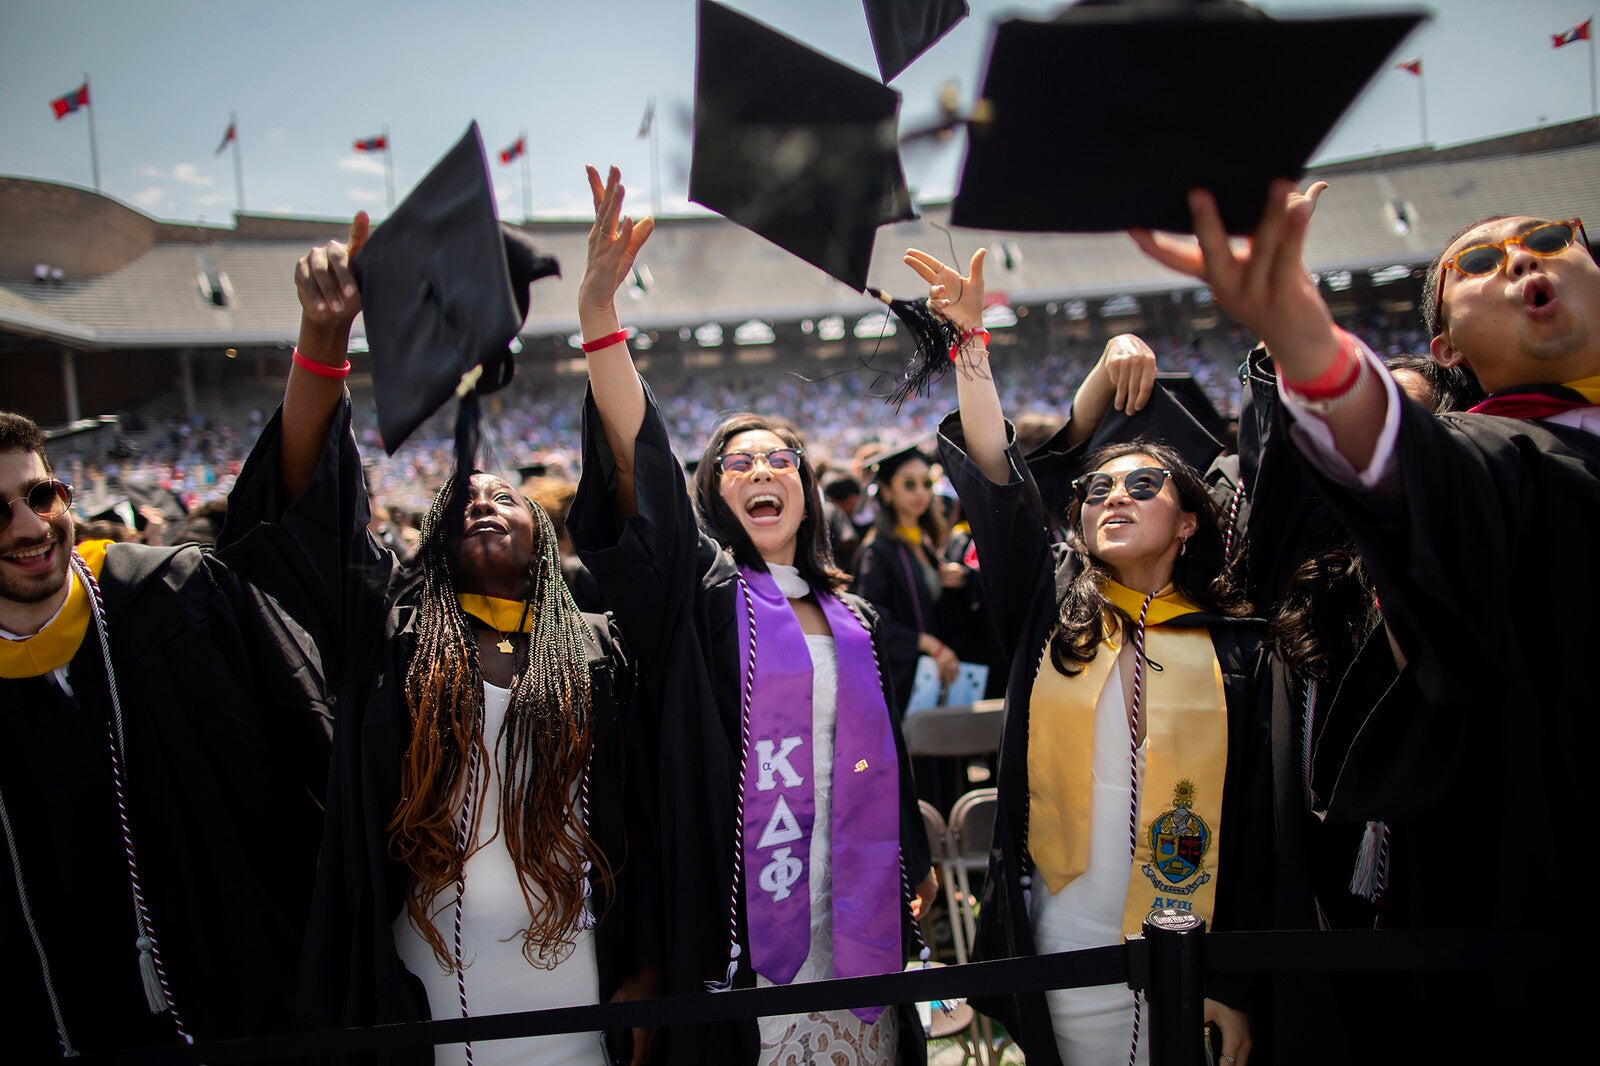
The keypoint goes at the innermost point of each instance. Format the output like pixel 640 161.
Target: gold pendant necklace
pixel 505 643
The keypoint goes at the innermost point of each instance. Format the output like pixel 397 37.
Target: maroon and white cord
pixel 1233 519
pixel 157 989
pixel 462 848
pixel 1133 776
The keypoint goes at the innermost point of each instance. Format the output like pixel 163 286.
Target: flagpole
pixel 238 167
pixel 388 167
pixel 655 162
pixel 1594 108
pixel 1422 107
pixel 94 149
pixel 527 179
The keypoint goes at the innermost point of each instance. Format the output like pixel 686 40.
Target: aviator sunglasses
pixel 741 464
pixel 1141 483
pixel 48 499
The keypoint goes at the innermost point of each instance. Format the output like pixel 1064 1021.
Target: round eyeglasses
pixel 48 499
pixel 1140 483
pixel 742 464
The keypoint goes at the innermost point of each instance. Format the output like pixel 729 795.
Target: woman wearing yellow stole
pixel 1134 757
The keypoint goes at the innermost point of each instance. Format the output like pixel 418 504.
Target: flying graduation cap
pixel 1103 117
pixel 803 150
pixel 444 290
pixel 903 29
pixel 794 146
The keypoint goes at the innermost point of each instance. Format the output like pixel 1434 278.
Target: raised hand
pixel 614 243
pixel 1262 283
pixel 958 298
pixel 1130 366
pixel 324 282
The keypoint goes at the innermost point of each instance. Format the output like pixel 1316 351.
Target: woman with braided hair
pixel 793 835
pixel 489 843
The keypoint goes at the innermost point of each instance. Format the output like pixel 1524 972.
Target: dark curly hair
pixel 813 556
pixel 1201 574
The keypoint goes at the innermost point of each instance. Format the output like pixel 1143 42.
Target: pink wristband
pixel 605 342
pixel 322 370
pixel 1340 376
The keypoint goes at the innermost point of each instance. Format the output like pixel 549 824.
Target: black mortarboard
pixel 882 467
pixel 793 145
pixel 1126 107
pixel 903 29
pixel 444 289
pixel 1164 418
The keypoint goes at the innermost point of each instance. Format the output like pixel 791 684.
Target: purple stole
pixel 780 809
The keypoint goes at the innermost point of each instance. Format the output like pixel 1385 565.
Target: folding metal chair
pixel 971 828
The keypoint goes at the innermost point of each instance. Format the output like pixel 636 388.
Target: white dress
pixel 499 979
pixel 834 1038
pixel 1094 1026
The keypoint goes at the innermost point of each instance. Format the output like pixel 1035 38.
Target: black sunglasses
pixel 741 463
pixel 1141 483
pixel 48 499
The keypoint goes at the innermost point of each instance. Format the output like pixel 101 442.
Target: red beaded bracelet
pixel 605 342
pixel 322 370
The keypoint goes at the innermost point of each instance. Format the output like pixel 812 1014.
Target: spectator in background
pixel 554 493
pixel 841 499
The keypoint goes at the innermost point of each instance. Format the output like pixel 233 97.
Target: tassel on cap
pixel 933 337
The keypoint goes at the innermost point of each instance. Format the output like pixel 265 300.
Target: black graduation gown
pixel 317 556
pixel 227 733
pixel 675 592
pixel 1023 574
pixel 1484 563
pixel 888 577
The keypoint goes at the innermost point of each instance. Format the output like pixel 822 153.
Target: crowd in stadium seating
pixel 534 422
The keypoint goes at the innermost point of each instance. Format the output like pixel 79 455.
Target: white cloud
pixel 213 199
pixel 365 196
pixel 187 175
pixel 365 163
pixel 150 198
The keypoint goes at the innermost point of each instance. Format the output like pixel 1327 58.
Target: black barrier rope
pixel 1310 951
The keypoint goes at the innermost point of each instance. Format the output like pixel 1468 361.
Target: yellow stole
pixel 1186 756
pixel 503 616
pixel 54 646
pixel 912 535
pixel 1589 387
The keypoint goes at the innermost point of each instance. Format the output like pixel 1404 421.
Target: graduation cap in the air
pixel 1103 117
pixel 794 146
pixel 1164 418
pixel 444 290
pixel 903 29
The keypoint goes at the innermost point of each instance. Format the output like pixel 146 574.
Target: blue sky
pixel 306 79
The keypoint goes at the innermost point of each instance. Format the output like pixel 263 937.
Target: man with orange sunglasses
pixel 1478 529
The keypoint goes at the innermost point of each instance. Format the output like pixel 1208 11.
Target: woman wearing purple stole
pixel 791 835
pixel 1133 770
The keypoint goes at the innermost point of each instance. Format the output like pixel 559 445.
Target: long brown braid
pixel 547 739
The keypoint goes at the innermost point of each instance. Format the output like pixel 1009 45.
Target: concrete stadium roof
pixel 129 281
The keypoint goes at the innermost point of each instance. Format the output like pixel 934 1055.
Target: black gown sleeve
pixel 1009 527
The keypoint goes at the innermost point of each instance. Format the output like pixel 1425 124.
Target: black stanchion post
pixel 1174 986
